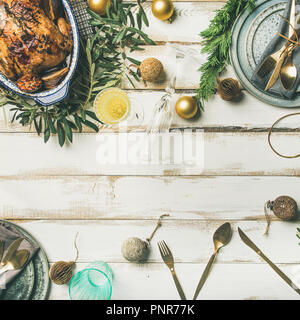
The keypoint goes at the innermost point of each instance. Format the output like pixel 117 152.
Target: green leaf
pixel 136 77
pixel 134 61
pixel 46 135
pixel 107 9
pixel 122 15
pixel 61 134
pixel 107 85
pixel 115 5
pixel 92 115
pixel 91 125
pixel 72 125
pixel 144 16
pixel 139 20
pixel 78 122
pixel 14 116
pixel 130 81
pixel 119 36
pixel 51 126
pixel 83 114
pixel 68 130
pixel 142 34
pixel 131 18
pixel 38 126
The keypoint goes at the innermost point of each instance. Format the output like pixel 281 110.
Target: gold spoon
pixel 16 262
pixel 288 72
pixel 221 237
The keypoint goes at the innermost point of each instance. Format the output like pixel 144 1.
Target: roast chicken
pixel 31 42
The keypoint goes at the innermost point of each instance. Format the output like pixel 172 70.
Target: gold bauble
pixel 162 9
pixel 99 6
pixel 186 107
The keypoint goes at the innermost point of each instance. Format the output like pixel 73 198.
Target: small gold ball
pixel 162 9
pixel 99 6
pixel 186 107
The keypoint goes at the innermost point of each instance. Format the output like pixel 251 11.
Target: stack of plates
pixel 251 34
pixel 33 282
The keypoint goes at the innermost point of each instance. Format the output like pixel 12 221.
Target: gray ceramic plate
pixel 251 34
pixel 33 282
pixel 21 287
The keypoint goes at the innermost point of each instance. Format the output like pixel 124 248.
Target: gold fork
pixel 168 259
pixel 277 58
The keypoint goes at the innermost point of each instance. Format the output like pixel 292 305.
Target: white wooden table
pixel 54 192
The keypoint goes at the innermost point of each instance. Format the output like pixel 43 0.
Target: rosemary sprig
pixel 103 63
pixel 216 43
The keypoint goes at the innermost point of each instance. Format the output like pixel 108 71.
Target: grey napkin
pixel 275 44
pixel 9 234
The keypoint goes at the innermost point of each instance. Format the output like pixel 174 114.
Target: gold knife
pixel 250 244
pixel 11 251
pixel 280 61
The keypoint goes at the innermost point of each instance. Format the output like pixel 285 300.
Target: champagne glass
pixel 114 108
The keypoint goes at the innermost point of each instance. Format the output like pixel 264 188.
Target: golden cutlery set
pixel 281 62
pixel 14 259
pixel 221 238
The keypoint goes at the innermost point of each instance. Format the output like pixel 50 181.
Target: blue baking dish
pixel 49 97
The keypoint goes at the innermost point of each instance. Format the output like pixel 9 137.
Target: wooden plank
pixel 249 115
pixel 189 240
pixel 221 153
pixel 118 197
pixel 154 282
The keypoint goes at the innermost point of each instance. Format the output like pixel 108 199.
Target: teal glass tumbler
pixel 92 283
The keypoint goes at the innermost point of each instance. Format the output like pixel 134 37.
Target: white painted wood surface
pixel 54 193
pixel 141 197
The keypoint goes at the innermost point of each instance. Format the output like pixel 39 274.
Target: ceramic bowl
pixel 49 97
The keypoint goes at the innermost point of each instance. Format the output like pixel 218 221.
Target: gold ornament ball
pixel 99 6
pixel 186 107
pixel 162 9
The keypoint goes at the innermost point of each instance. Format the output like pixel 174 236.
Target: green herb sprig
pixel 216 40
pixel 103 62
pixel 298 234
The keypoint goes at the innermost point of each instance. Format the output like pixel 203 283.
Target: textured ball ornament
pixel 229 89
pixel 284 208
pixel 186 107
pixel 135 250
pixel 61 272
pixel 99 6
pixel 162 9
pixel 151 69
